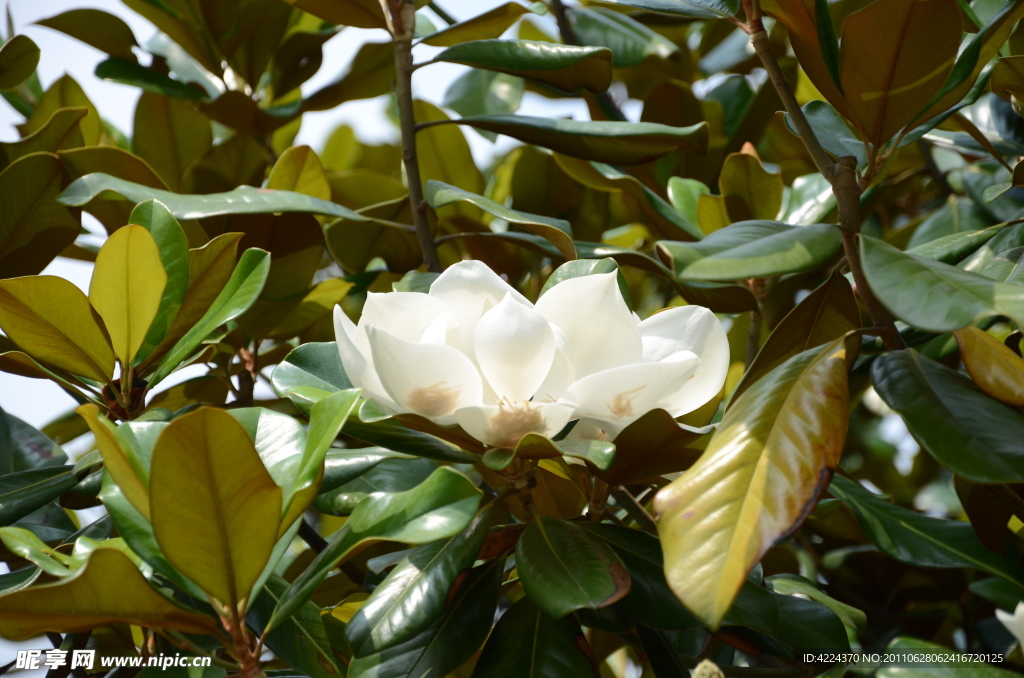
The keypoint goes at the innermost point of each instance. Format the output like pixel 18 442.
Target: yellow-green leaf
pixel 992 365
pixel 1007 79
pixel 51 320
pixel 108 590
pixel 772 455
pixel 64 93
pixel 18 60
pixel 896 56
pixel 127 286
pixel 490 24
pixel 120 461
pixel 215 509
pixel 299 170
pixel 170 135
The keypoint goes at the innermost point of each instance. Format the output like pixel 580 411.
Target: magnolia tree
pixel 734 388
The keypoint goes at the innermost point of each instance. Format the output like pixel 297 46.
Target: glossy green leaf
pixel 439 507
pixel 309 373
pixel 301 640
pixel 390 475
pixel 127 288
pixel 949 249
pixel 109 589
pixel 826 314
pixel 33 229
pixel 612 142
pixel 343 466
pixel 934 296
pixel 52 320
pixel 653 445
pixel 832 132
pixel 238 295
pixel 792 584
pixel 299 170
pixel 630 41
pixel 454 636
pixel 23 492
pixel 414 593
pixel 19 57
pixel 650 601
pixel 920 540
pixel 775 449
pixel 393 435
pixel 698 9
pixel 131 72
pixel 753 249
pixel 242 200
pixel 172 245
pixel 27 545
pixel 490 24
pixel 562 568
pixel 23 448
pixel 557 231
pixel 481 92
pixel 968 432
pixel 215 509
pixel 565 67
pixel 527 643
pixel 683 194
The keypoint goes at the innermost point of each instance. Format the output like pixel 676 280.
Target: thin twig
pixel 635 510
pixel 842 175
pixel 442 15
pixel 403 18
pixel 183 643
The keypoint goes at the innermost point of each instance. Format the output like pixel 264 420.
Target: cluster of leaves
pixel 723 536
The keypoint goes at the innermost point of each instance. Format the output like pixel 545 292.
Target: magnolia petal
pixel 617 397
pixel 560 375
pixel 514 348
pixel 697 330
pixel 503 425
pixel 405 315
pixel 468 289
pixel 358 368
pixel 598 325
pixel 431 380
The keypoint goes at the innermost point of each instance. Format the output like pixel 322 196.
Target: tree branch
pixel 842 175
pixel 403 18
pixel 604 99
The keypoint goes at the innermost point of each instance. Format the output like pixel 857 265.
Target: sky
pixel 39 402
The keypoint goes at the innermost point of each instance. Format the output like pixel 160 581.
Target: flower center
pixel 434 400
pixel 622 404
pixel 513 421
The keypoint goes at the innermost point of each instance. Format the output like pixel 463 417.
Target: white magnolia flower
pixel 475 352
pixel 1014 622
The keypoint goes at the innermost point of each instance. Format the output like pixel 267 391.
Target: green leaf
pixel 917 539
pixel 948 668
pixel 394 435
pixel 52 320
pixel 33 228
pixel 829 127
pixel 968 432
pixel 622 143
pixel 131 72
pixel 172 245
pixel 242 200
pixel 775 449
pixel 238 295
pixel 934 296
pixel 698 9
pixel 650 601
pixel 23 492
pixel 215 509
pixel 390 475
pixel 956 216
pixel 826 314
pixel 600 453
pixel 527 643
pixel 556 231
pixel 753 249
pixel 122 462
pixel 562 568
pixel 453 638
pixel 369 75
pixel 439 507
pixel 19 57
pixel 107 590
pixel 309 373
pixel 27 545
pixel 653 445
pixel 414 594
pixel 630 41
pixel 104 31
pixel 301 640
pixel 683 194
pixel 828 41
pixel 949 249
pixel 343 466
pixel 582 267
pixel 23 448
pixel 791 584
pixel 999 592
pixel 564 67
pixel 127 288
pixel 480 92
pixel 490 24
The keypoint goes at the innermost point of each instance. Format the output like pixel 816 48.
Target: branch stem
pixel 403 17
pixel 842 175
pixel 568 33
